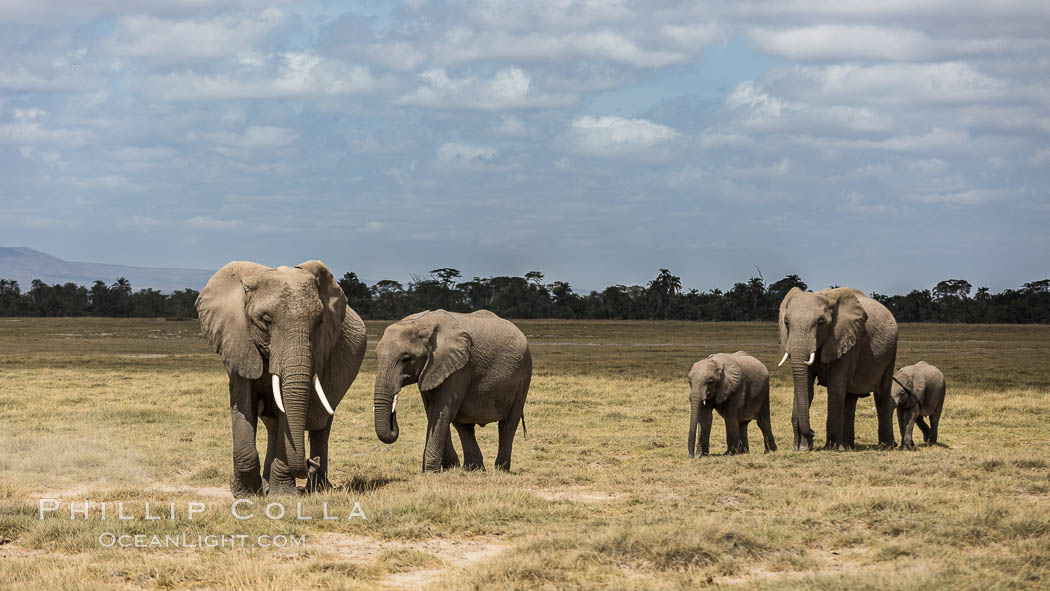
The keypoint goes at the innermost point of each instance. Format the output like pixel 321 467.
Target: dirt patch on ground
pixel 576 495
pixel 831 561
pixel 451 552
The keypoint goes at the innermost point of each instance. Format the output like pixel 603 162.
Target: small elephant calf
pixel 737 386
pixel 918 390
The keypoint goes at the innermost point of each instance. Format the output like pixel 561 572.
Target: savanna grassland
pixel 602 494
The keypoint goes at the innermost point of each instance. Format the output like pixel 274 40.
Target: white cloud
pixel 843 43
pixel 457 152
pixel 612 135
pixel 285 75
pixel 511 126
pixel 510 88
pixel 149 36
pixel 27 129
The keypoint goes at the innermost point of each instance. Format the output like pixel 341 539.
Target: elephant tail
pixel 524 429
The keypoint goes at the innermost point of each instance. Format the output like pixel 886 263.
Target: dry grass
pixel 603 494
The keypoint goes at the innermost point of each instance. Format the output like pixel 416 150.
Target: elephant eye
pixel 820 321
pixel 266 318
pixel 406 357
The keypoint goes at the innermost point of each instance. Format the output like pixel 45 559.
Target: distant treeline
pixel 529 297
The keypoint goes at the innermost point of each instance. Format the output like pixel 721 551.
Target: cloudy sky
pixel 884 145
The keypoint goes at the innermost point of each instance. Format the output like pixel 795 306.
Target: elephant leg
pixel 744 443
pixel 439 417
pixel 849 414
pixel 884 406
pixel 318 481
pixel 935 420
pixel 243 412
pixel 836 414
pixel 906 440
pixel 902 421
pixel 766 427
pixel 271 448
pixel 733 445
pixel 705 430
pixel 472 459
pixel 451 458
pixel 507 428
pixel 921 424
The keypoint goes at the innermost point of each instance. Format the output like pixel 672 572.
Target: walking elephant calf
pixel 737 386
pixel 918 390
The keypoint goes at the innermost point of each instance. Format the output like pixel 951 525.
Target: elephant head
pixel 826 323
pixel 424 348
pixel 908 378
pixel 282 321
pixel 711 382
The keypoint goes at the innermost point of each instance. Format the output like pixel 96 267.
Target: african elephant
pixel 284 335
pixel 849 343
pixel 472 369
pixel 737 386
pixel 918 391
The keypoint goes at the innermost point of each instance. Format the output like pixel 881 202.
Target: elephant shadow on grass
pixel 361 484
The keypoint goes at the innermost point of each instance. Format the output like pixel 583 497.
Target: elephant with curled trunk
pixel 848 342
pixel 737 386
pixel 291 347
pixel 472 369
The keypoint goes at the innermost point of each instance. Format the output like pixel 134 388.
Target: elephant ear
pixel 448 350
pixel 730 379
pixel 224 321
pixel 344 361
pixel 783 317
pixel 847 322
pixel 323 340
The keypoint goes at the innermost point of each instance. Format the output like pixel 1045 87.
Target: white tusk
pixel 277 392
pixel 320 394
pixel 782 360
pixel 393 405
pixel 811 356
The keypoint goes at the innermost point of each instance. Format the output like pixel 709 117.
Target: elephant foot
pixel 907 445
pixel 283 489
pixel 887 445
pixel 282 483
pixel 246 485
pixel 473 466
pixel 836 447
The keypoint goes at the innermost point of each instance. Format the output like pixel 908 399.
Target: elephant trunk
pixel 800 371
pixel 694 418
pixel 296 386
pixel 386 389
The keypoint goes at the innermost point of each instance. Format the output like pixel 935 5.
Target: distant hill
pixel 25 264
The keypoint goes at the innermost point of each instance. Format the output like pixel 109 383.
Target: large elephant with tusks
pixel 291 347
pixel 848 342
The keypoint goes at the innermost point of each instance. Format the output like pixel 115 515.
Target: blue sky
pixel 882 145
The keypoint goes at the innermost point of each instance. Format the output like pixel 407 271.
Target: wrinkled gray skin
pixel 854 339
pixel 737 386
pixel 292 322
pixel 472 369
pixel 927 387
